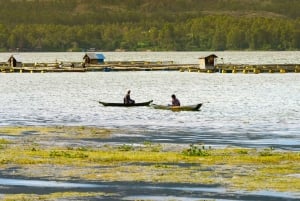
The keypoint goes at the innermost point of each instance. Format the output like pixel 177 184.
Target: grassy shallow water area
pixel 52 163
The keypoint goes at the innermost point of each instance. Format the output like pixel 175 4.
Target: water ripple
pixel 238 109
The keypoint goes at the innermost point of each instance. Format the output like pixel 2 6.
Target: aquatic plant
pixel 126 147
pixel 196 150
pixel 233 167
pixel 266 152
pixel 243 151
pixel 68 154
pixel 153 147
pixel 4 141
pixel 54 196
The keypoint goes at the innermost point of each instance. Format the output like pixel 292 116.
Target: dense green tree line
pixel 61 25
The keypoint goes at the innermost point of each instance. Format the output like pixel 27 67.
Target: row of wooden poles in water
pixel 255 69
pixel 154 66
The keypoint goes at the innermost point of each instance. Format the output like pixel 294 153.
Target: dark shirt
pixel 128 100
pixel 175 102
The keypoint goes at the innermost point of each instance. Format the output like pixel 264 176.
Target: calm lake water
pixel 249 110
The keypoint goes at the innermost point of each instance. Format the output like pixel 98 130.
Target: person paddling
pixel 127 99
pixel 175 101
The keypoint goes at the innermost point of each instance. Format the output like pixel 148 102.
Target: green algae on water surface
pixel 233 168
pixel 69 131
pixel 54 196
pixel 227 167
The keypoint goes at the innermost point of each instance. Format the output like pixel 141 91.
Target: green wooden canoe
pixel 178 108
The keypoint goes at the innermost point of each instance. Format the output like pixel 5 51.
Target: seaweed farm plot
pixel 141 171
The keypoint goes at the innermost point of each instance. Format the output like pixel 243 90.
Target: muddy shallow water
pixel 119 181
pixel 141 191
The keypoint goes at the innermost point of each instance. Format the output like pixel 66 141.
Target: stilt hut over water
pixel 14 61
pixel 208 62
pixel 93 58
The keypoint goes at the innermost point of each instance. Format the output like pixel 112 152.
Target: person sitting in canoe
pixel 175 101
pixel 127 99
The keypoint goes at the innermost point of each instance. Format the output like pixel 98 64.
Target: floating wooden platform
pixel 265 68
pixel 148 66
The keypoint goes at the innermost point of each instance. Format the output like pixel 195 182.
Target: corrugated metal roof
pixel 212 55
pixel 93 55
pixel 100 56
